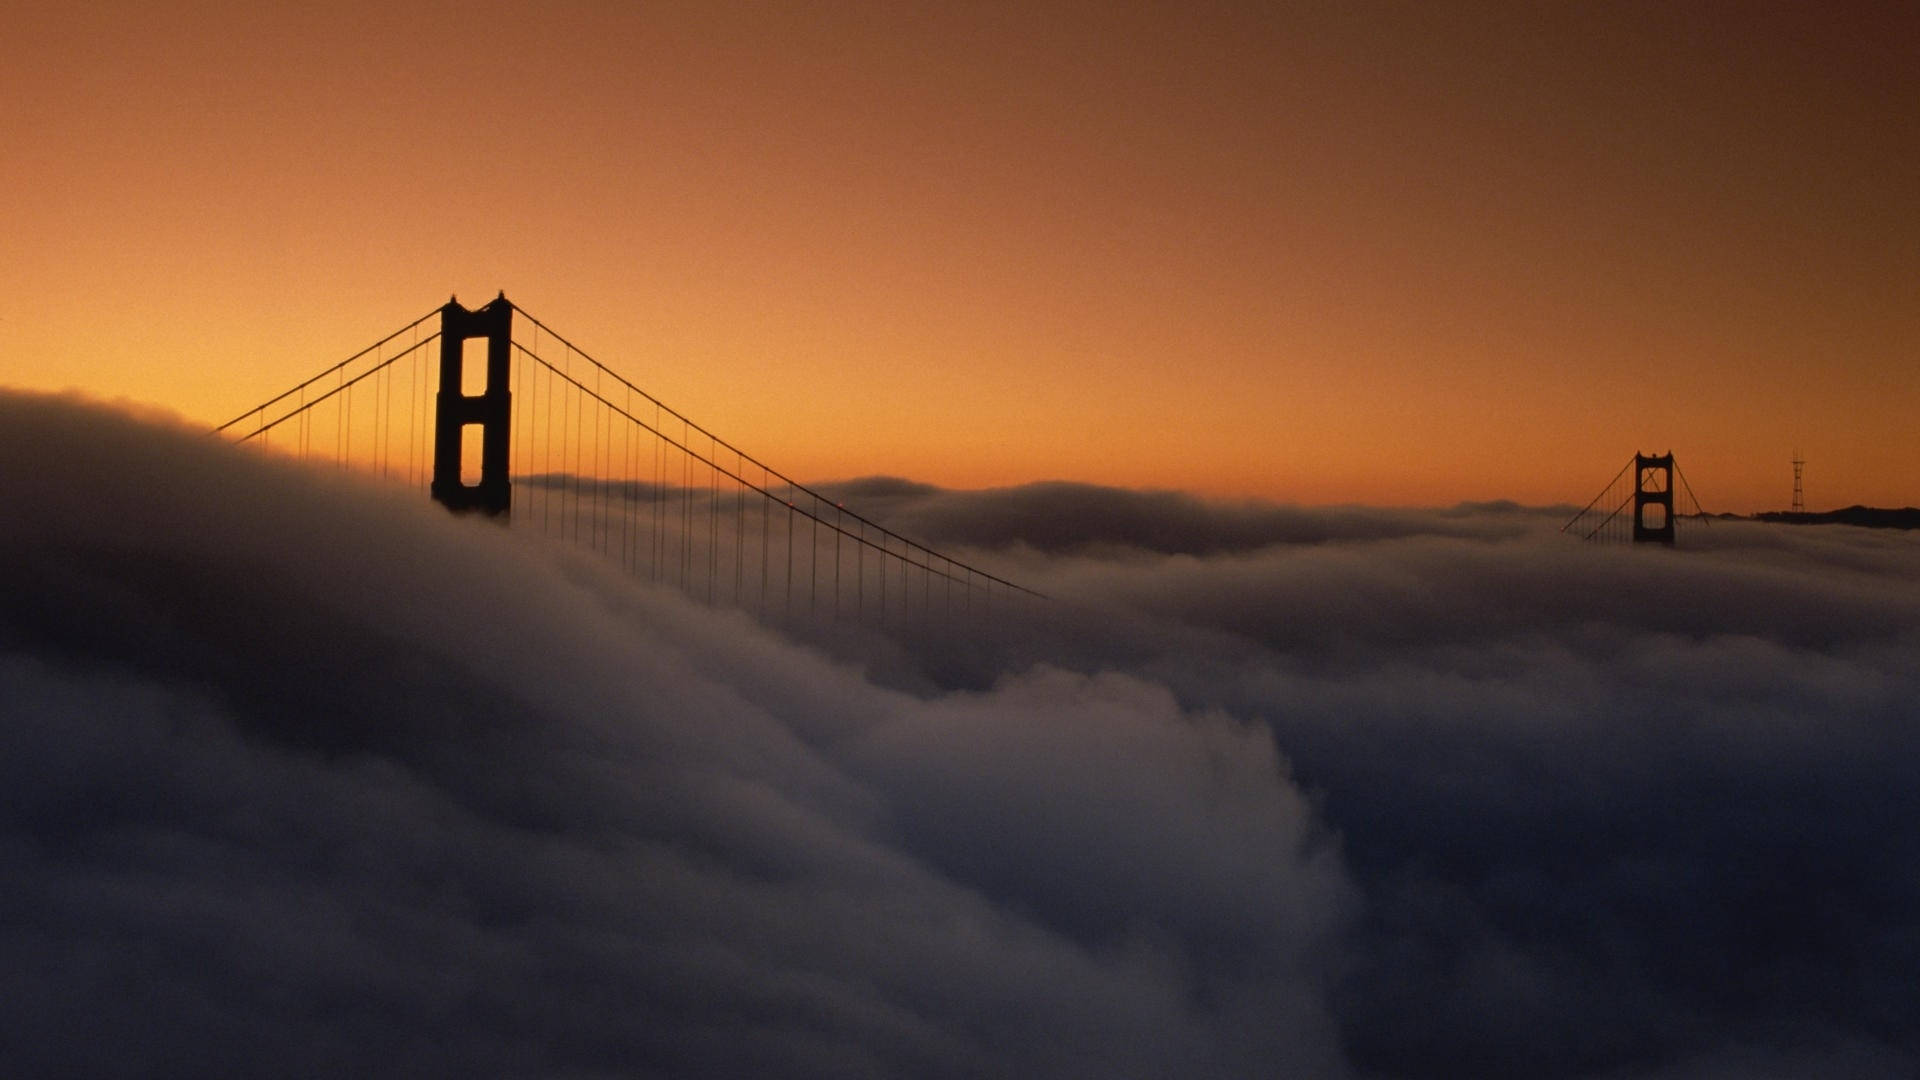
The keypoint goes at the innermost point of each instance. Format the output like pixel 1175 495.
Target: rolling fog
pixel 304 776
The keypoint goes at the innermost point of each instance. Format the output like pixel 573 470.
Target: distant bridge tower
pixel 1799 500
pixel 490 411
pixel 1650 492
pixel 1653 491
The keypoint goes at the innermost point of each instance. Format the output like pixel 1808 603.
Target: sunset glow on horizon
pixel 1331 253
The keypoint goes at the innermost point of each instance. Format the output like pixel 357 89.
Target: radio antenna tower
pixel 1799 501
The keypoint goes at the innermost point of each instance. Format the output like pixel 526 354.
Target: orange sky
pixel 1390 253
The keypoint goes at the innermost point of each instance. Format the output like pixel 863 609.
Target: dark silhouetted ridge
pixel 1871 517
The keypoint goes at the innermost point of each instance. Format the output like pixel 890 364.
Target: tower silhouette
pixel 491 410
pixel 1653 491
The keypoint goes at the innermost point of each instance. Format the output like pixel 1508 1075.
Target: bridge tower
pixel 1653 490
pixel 491 410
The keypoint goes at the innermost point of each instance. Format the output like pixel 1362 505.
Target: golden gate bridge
pixel 490 411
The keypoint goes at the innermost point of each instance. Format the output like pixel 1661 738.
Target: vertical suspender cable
pixel 713 518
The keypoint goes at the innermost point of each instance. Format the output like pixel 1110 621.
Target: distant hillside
pixel 1872 517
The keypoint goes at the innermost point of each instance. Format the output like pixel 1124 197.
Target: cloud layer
pixel 304 777
pixel 1610 811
